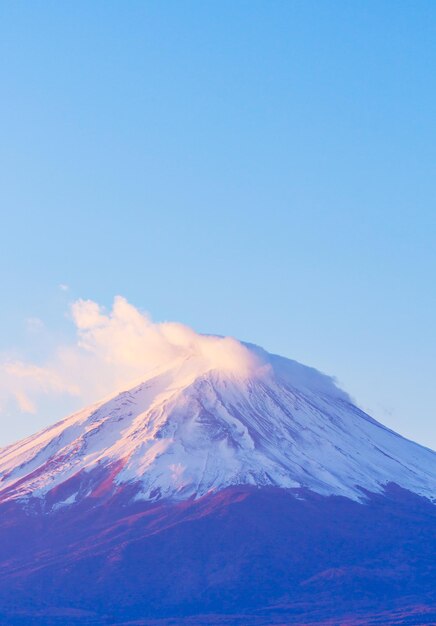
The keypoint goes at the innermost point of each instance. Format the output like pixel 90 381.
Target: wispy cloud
pixel 111 350
pixel 34 324
pixel 23 382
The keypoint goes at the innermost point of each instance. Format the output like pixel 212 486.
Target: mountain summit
pixel 227 486
pixel 229 415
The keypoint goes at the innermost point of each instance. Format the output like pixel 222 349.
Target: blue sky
pixel 258 169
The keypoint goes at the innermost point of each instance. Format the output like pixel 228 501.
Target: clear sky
pixel 258 169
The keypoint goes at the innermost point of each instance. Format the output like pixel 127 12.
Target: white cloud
pixel 34 324
pixel 113 349
pixel 23 381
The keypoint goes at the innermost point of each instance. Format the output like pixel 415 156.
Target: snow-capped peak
pixel 207 421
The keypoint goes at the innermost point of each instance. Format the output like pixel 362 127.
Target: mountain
pixel 245 490
pixel 187 431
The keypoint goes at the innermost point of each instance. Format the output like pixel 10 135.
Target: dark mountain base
pixel 244 556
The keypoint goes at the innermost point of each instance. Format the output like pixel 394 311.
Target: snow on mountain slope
pixel 192 427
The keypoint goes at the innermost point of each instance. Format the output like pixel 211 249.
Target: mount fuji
pixel 241 489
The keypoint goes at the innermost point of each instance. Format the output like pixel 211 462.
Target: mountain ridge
pixel 191 428
pixel 229 486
